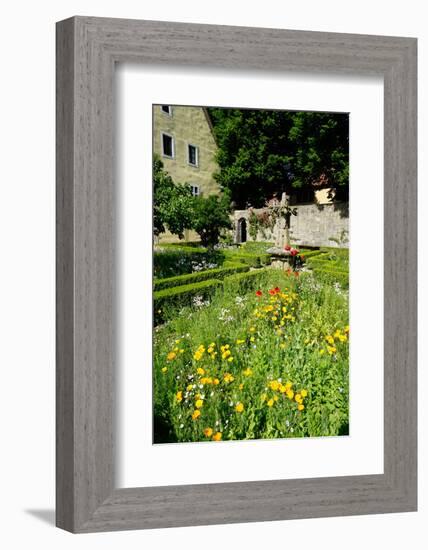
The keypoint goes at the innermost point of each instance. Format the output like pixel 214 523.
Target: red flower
pixel 288 271
pixel 259 293
pixel 294 252
pixel 272 292
pixel 296 273
pixel 276 289
pixel 287 247
pixel 302 256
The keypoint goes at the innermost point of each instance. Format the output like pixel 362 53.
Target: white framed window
pixel 166 109
pixel 192 154
pixel 196 190
pixel 168 147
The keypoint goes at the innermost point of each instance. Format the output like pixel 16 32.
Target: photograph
pixel 250 274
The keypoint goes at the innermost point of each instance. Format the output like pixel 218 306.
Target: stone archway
pixel 242 230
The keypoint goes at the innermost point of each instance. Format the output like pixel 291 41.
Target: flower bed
pixel 266 358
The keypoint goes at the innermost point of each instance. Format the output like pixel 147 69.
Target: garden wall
pixel 314 225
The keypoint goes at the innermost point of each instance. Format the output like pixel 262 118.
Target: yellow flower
pixel 239 407
pixel 208 432
pixel 189 387
pixel 230 359
pixel 241 386
pixel 200 371
pixel 210 350
pixel 331 350
pixel 171 355
pixel 275 398
pixel 263 397
pixel 346 329
pixel 196 414
pixel 216 381
pixel 164 369
pixel 199 403
pixel 300 407
pixel 298 398
pixel 177 341
pixel 239 342
pixel 179 396
pixel 181 350
pixel 228 377
pixel 274 385
pixel 322 351
pixel 247 372
pixel 252 329
pixel 198 355
pixel 282 345
pixel 290 394
pixel 274 317
pixel 212 345
pixel 304 393
pixel 217 436
pixel 252 339
pixel 330 339
pixel 270 403
pixel 225 354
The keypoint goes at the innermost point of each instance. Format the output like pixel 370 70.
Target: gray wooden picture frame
pixel 87 50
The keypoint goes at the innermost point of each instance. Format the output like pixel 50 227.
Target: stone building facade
pixel 183 138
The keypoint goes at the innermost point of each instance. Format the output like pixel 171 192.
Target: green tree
pixel 263 151
pixel 173 203
pixel 211 216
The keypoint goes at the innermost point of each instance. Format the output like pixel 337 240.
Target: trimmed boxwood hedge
pixel 179 296
pixel 218 273
pixel 245 281
pixel 332 275
pixel 253 260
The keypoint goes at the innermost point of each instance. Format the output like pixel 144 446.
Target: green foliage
pixel 243 282
pixel 173 260
pixel 262 152
pixel 168 300
pixel 326 274
pixel 262 352
pixel 172 202
pixel 211 217
pixel 256 247
pixel 219 273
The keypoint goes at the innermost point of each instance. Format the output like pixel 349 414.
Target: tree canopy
pixel 172 202
pixel 265 151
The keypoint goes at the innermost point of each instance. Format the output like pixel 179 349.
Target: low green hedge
pixel 334 276
pixel 179 296
pixel 253 260
pixel 245 281
pixel 218 273
pixel 310 253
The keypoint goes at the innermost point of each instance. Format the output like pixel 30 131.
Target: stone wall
pixel 314 224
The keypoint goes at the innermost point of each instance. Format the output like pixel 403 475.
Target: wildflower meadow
pixel 264 359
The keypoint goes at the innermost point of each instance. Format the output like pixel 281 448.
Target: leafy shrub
pixel 211 217
pixel 166 301
pixel 219 273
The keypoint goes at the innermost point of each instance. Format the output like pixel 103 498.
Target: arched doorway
pixel 242 230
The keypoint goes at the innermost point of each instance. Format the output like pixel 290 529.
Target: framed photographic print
pixel 236 274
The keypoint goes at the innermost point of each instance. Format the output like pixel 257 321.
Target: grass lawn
pixel 237 365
